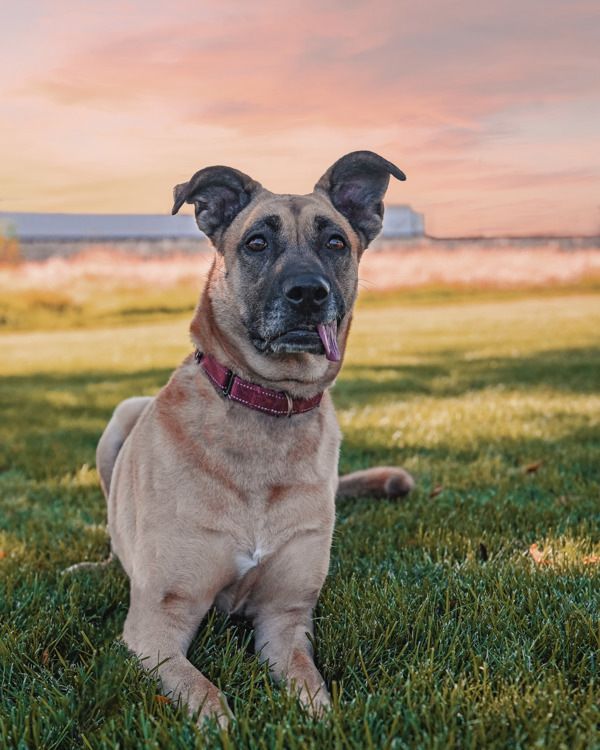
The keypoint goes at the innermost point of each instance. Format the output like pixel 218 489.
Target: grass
pixel 444 293
pixel 435 628
pixel 37 309
pixel 51 310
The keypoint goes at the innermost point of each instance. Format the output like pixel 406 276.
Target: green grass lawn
pixel 435 628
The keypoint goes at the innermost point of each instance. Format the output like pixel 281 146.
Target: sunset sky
pixel 491 109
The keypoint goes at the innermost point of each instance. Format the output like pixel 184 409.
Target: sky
pixel 491 109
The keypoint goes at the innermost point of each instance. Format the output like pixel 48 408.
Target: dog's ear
pixel 356 184
pixel 219 194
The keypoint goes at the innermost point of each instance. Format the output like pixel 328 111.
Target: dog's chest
pixel 245 562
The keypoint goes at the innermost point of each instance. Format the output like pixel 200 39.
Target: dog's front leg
pixel 283 636
pixel 159 630
pixel 281 609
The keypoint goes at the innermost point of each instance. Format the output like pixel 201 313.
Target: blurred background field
pixel 436 627
pixel 106 286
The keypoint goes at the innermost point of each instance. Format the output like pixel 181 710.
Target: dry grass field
pixel 104 286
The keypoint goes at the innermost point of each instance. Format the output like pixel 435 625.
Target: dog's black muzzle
pixel 301 302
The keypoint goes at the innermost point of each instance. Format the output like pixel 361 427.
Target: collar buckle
pixel 228 385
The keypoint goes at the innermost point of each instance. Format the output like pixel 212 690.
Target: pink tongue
pixel 328 334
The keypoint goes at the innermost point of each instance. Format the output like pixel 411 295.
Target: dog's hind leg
pixel 379 482
pixel 121 423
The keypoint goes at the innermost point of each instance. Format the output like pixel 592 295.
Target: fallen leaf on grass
pixel 591 560
pixel 532 468
pixel 45 657
pixel 538 558
pixel 2 553
pixel 436 492
pixel 162 699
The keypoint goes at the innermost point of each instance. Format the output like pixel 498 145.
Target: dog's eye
pixel 336 243
pixel 256 244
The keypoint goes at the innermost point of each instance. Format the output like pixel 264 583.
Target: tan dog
pixel 215 496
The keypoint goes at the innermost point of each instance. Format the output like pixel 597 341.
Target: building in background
pixel 402 221
pixel 34 226
pixel 42 235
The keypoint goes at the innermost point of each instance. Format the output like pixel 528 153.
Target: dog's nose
pixel 307 291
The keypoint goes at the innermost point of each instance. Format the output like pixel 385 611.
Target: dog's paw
pixel 214 708
pixel 399 483
pixel 316 705
pixel 315 702
pixel 378 482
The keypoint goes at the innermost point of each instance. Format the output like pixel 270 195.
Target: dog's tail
pixel 379 482
pixel 122 422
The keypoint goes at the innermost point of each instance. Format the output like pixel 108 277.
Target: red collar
pixel 253 396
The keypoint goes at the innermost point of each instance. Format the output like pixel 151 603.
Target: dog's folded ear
pixel 219 194
pixel 356 185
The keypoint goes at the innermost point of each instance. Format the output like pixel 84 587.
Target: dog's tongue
pixel 328 334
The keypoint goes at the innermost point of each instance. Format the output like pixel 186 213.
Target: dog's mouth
pixel 319 339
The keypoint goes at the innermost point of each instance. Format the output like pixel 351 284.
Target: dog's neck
pixel 253 396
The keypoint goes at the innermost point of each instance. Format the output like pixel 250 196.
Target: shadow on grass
pixel 50 423
pixel 449 374
pixel 86 377
pixel 515 451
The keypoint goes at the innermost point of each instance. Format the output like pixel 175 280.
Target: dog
pixel 221 489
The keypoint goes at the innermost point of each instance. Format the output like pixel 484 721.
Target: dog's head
pixel 281 292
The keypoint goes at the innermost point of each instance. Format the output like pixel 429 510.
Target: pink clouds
pixel 456 92
pixel 373 60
